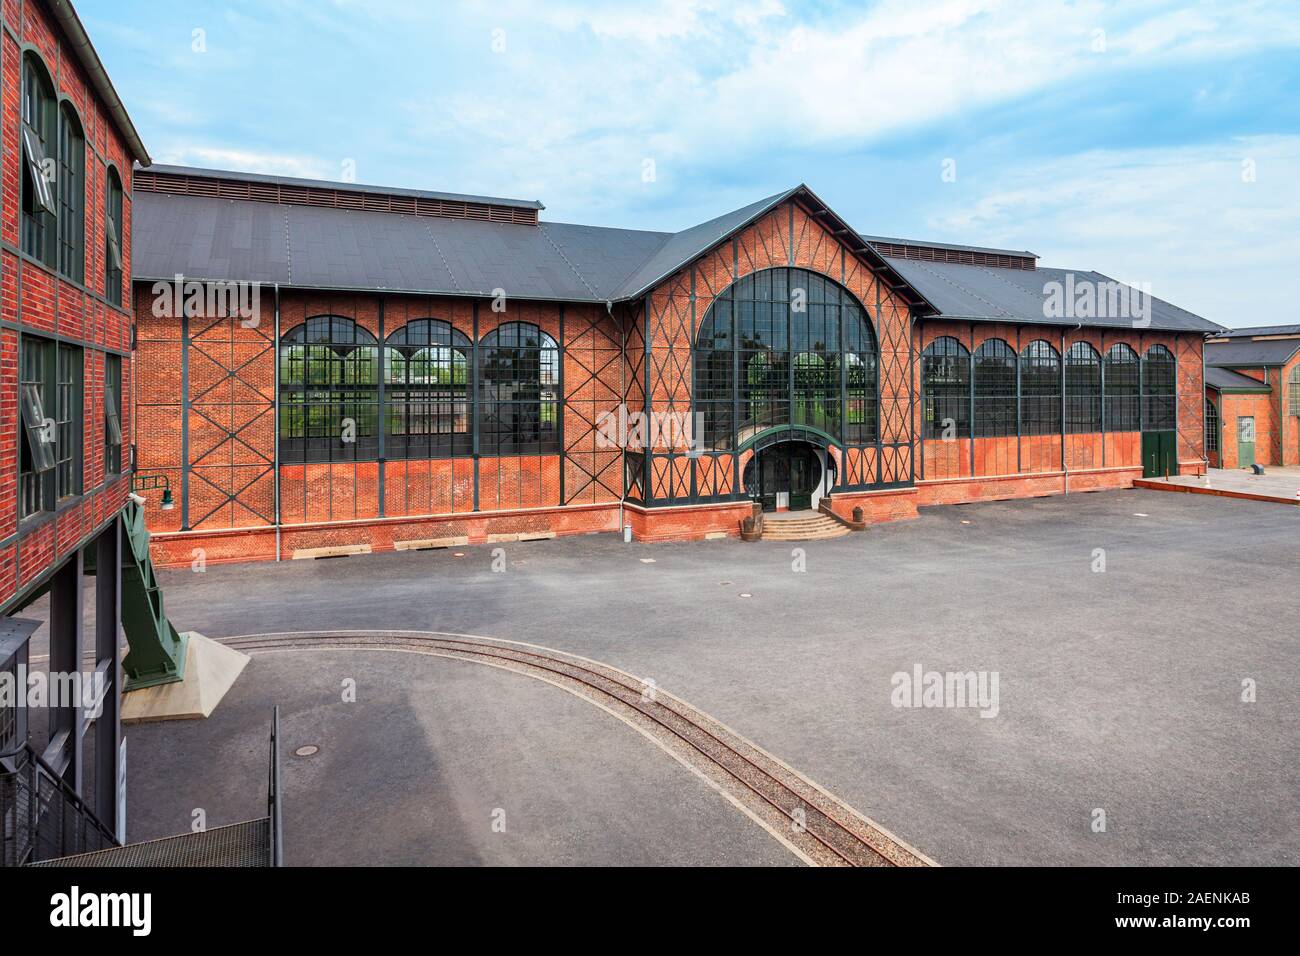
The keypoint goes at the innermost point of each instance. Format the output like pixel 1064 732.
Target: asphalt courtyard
pixel 1121 628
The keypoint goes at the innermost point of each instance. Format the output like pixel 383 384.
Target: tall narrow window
pixel 39 176
pixel 113 239
pixel 72 195
pixel 1123 389
pixel 1159 379
pixel 427 375
pixel 945 380
pixel 38 451
pixel 1293 391
pixel 861 375
pixel 519 406
pixel 995 389
pixel 1082 389
pixel 113 415
pixel 1040 389
pixel 329 391
pixel 1211 427
pixel 67 408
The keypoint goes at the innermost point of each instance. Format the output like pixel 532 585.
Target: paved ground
pixel 1282 484
pixel 1118 690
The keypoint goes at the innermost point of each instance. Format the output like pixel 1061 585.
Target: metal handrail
pixel 273 801
pixel 30 770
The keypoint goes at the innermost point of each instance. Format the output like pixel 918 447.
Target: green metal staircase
pixel 157 650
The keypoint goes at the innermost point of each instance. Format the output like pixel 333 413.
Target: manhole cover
pixel 309 750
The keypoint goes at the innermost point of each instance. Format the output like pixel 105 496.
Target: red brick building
pixel 369 367
pixel 67 148
pixel 1252 397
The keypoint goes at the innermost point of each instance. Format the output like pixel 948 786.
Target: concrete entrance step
pixel 801 526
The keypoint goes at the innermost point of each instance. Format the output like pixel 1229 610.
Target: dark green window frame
pixel 113 414
pixel 113 239
pixel 50 456
pixel 1040 389
pixel 329 375
pixel 427 398
pixel 945 388
pixel 994 414
pixel 519 391
pixel 1159 388
pixel 785 346
pixel 39 137
pixel 1082 389
pixel 71 195
pixel 1123 389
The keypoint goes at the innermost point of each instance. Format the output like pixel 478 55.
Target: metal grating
pixel 290 195
pixel 245 844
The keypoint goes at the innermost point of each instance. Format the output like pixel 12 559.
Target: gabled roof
pixel 220 238
pixel 1245 353
pixel 1226 380
pixel 1262 330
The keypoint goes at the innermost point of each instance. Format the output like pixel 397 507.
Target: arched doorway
pixel 789 476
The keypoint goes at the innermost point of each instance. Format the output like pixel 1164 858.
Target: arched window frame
pixel 945 388
pixel 994 384
pixel 329 376
pixel 1123 389
pixel 520 405
pixel 39 135
pixel 1293 391
pixel 428 377
pixel 1040 389
pixel 1082 389
pixel 786 346
pixel 71 194
pixel 113 237
pixel 1159 388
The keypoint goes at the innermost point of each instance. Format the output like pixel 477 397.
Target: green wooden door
pixel 1245 441
pixel 1159 454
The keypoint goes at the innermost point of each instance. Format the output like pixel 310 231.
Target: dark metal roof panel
pixel 1248 353
pixel 1227 378
pixel 1263 330
pixel 1017 295
pixel 681 247
pixel 207 239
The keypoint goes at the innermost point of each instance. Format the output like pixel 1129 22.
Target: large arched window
pixel 39 140
pixel 945 384
pixel 1040 389
pixel 329 391
pixel 785 346
pixel 426 398
pixel 1159 378
pixel 995 389
pixel 1123 389
pixel 519 398
pixel 1293 391
pixel 113 239
pixel 71 194
pixel 1082 389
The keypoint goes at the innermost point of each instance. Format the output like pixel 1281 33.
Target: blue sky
pixel 1155 142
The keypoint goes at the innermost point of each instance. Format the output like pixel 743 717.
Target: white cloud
pixel 249 161
pixel 1182 218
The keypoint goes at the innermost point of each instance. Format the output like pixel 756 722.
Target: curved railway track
pixel 811 822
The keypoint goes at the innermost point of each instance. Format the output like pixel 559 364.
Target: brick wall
pixel 35 299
